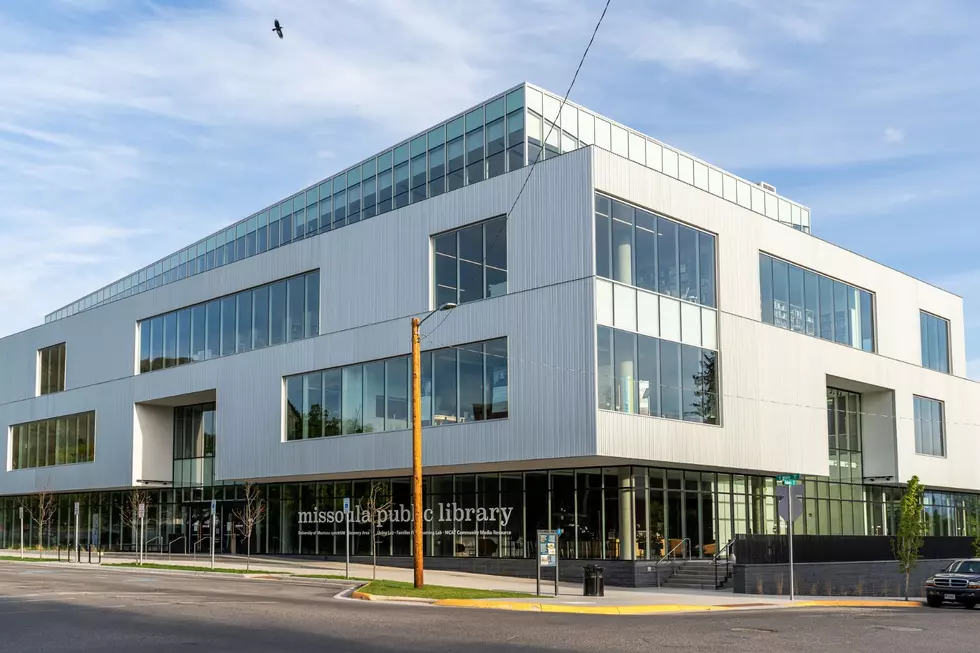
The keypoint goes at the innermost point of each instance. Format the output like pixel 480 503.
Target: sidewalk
pixel 616 600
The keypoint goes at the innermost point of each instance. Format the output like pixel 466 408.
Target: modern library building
pixel 642 342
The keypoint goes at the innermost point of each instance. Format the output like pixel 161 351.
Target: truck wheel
pixel 934 602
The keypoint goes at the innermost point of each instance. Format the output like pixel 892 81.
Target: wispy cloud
pixel 683 46
pixel 894 135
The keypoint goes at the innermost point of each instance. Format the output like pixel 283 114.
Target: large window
pixel 55 441
pixel 471 263
pixel 660 378
pixel 804 301
pixel 51 369
pixel 459 384
pixel 934 333
pixel 639 248
pixel 194 445
pixel 268 315
pixel 844 435
pixel 930 431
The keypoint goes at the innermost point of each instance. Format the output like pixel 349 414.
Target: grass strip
pixel 397 588
pixel 154 565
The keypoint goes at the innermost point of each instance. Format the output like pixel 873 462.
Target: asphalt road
pixel 48 608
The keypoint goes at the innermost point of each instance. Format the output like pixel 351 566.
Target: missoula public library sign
pixel 398 520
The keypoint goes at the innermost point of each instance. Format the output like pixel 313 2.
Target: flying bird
pixel 277 28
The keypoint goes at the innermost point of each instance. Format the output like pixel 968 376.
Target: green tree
pixel 911 530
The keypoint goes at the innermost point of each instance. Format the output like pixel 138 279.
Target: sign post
pixel 548 554
pixel 22 532
pixel 78 547
pixel 214 509
pixel 141 514
pixel 347 535
pixel 789 505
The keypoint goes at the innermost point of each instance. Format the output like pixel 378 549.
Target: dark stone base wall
pixel 880 578
pixel 616 573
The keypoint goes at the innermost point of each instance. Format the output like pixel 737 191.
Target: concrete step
pixel 689 584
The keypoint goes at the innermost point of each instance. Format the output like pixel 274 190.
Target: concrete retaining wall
pixel 881 578
pixel 616 573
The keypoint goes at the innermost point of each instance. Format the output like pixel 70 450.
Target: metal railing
pixel 146 545
pixel 194 548
pixel 170 547
pixel 729 547
pixel 685 554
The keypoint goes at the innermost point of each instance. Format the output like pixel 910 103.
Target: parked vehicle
pixel 958 583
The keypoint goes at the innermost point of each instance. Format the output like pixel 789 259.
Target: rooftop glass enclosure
pixel 504 133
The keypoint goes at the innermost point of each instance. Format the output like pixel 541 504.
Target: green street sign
pixel 788 479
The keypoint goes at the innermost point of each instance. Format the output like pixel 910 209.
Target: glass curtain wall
pixel 460 384
pixel 804 301
pixel 496 515
pixel 484 142
pixel 51 369
pixel 279 312
pixel 934 332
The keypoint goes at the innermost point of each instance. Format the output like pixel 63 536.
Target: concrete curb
pixel 364 596
pixel 531 606
pixel 577 609
pixel 897 603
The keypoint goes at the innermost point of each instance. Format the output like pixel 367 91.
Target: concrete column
pixel 626 382
pixel 624 260
pixel 627 521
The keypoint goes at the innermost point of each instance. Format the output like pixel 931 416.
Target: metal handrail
pixel 194 550
pixel 170 547
pixel 728 547
pixel 148 542
pixel 670 554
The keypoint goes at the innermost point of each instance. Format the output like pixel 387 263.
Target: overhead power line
pixel 537 158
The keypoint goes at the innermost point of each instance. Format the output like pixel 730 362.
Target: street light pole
pixel 417 452
pixel 417 508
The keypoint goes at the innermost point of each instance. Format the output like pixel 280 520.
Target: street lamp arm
pixel 448 306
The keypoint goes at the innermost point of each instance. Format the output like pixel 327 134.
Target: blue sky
pixel 131 128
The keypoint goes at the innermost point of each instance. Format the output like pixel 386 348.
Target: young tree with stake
pixel 911 530
pixel 248 517
pixel 377 506
pixel 131 511
pixel 41 508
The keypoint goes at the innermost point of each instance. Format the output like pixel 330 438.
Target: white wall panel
pixel 648 313
pixel 604 302
pixel 670 319
pixel 690 324
pixel 624 305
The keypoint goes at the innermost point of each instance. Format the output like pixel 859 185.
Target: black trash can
pixel 592 581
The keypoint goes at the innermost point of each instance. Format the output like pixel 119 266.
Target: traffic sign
pixel 785 495
pixel 76 507
pixel 214 505
pixel 346 504
pixel 788 479
pixel 141 510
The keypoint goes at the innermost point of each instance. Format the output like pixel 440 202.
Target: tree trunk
pixel 907 575
pixel 374 553
pixel 248 552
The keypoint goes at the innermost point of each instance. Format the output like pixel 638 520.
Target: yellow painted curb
pixel 363 596
pixel 856 604
pixel 575 609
